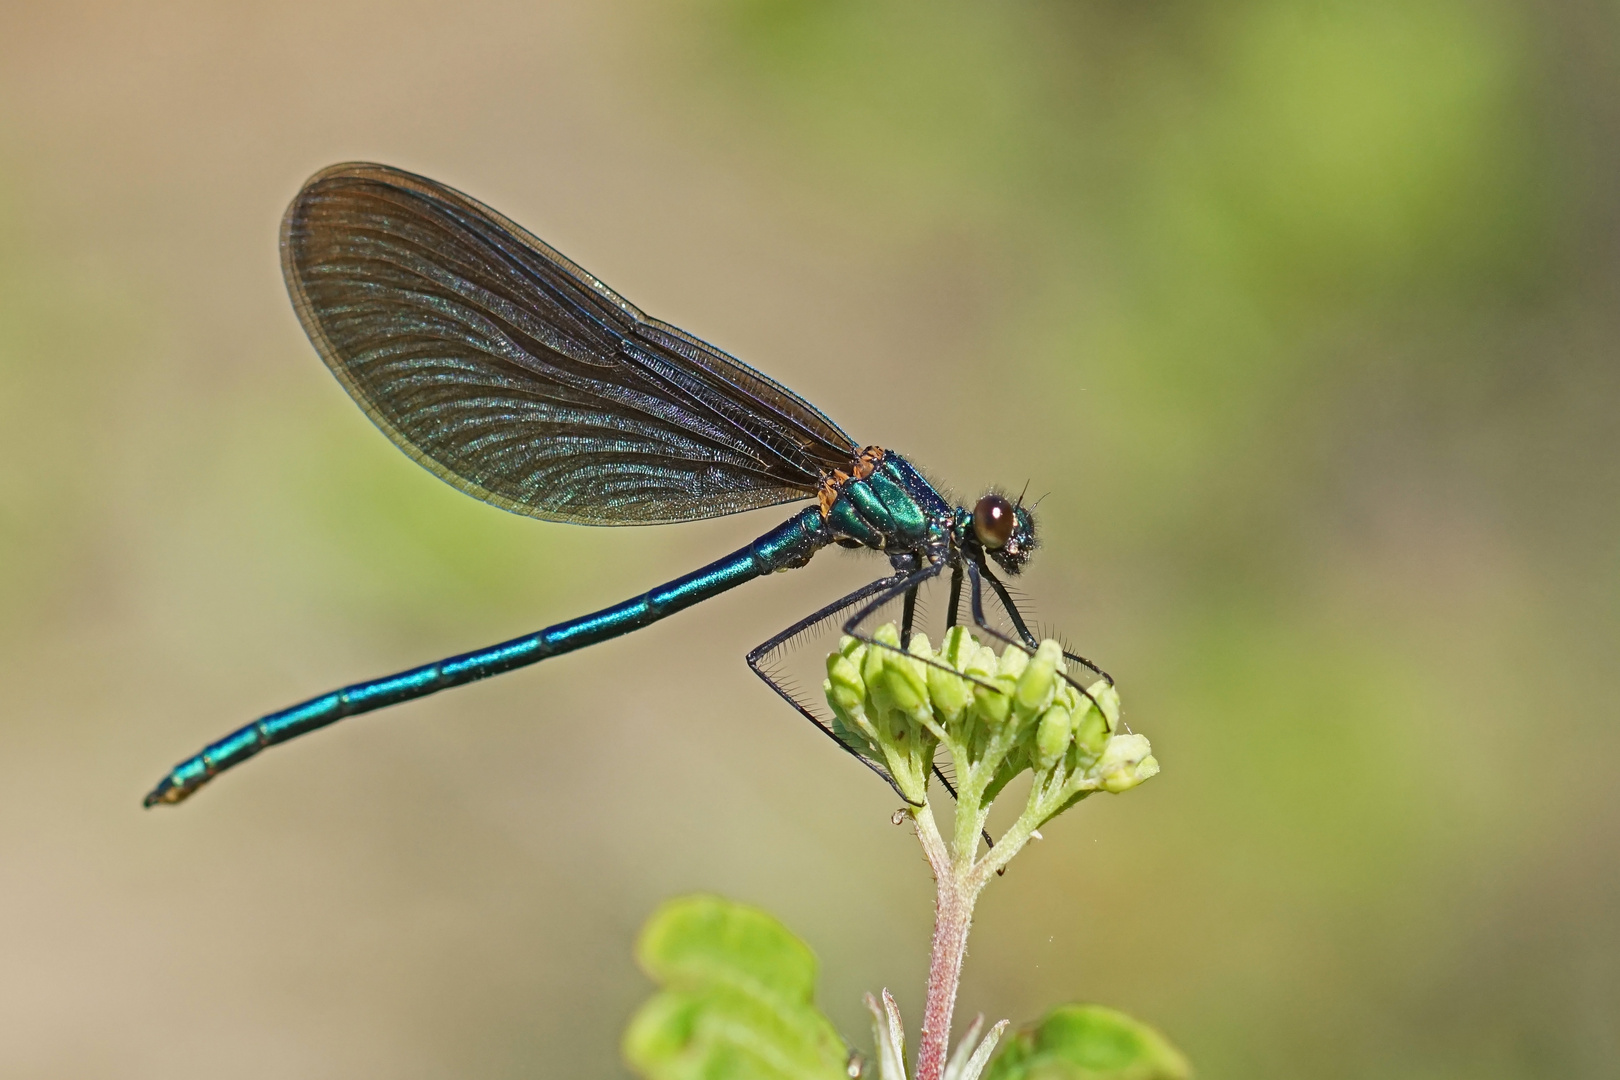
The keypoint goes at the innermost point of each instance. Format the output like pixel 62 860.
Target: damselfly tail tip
pixel 169 791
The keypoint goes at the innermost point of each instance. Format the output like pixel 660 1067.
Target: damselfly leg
pixel 761 654
pixel 872 597
pixel 955 608
pixel 1029 644
pixel 1017 617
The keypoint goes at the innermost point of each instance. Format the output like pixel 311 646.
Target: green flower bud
pixel 1126 762
pixel 1035 689
pixel 992 705
pixel 850 726
pixel 981 666
pixel 920 646
pixel 1052 736
pixel 949 693
pixel 877 657
pixel 894 680
pixel 844 687
pixel 1090 732
pixel 1065 694
pixel 981 663
pixel 905 682
pixel 958 647
pixel 1108 697
pixel 887 634
pixel 891 705
pixel 1092 729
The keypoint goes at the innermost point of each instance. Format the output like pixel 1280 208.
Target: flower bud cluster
pixel 996 716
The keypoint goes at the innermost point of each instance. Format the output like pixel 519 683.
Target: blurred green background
pixel 1304 313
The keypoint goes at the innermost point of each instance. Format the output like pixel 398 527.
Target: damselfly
pixel 512 374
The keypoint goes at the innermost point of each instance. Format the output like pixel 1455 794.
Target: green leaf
pixel 737 999
pixel 1088 1042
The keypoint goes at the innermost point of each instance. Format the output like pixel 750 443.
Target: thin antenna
pixel 1021 495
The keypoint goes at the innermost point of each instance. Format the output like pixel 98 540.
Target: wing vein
pixel 514 375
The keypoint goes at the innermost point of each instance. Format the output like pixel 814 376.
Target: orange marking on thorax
pixel 832 483
pixel 827 494
pixel 866 461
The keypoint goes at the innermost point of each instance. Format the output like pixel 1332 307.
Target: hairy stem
pixel 958 880
pixel 953 917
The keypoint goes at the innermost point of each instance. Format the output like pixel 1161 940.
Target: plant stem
pixel 953 916
pixel 958 880
pixel 955 894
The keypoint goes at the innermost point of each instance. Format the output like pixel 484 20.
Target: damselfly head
pixel 1006 531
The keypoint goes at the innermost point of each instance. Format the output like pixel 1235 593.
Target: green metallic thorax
pixel 893 509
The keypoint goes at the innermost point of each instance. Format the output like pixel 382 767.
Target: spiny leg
pixel 903 584
pixel 909 582
pixel 908 614
pixel 763 650
pixel 908 585
pixel 1017 618
pixel 976 606
pixel 976 602
pixel 766 648
pixel 951 615
pixel 956 596
pixel 907 618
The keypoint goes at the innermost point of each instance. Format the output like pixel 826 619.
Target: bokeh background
pixel 1304 314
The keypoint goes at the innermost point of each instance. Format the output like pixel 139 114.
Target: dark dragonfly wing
pixel 514 375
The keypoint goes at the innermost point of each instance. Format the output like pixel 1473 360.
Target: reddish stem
pixel 956 890
pixel 953 915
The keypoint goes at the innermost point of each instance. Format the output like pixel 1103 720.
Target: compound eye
pixel 994 521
